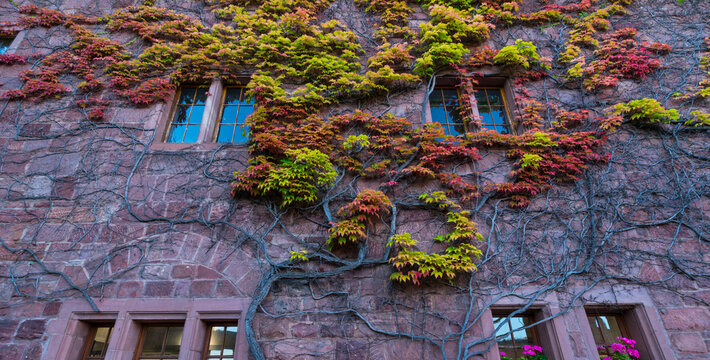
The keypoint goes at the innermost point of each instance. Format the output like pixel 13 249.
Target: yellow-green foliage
pixel 522 53
pixel 645 111
pixel 299 176
pixel 444 37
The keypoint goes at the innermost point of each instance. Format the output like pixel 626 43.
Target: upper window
pixel 605 328
pixel 444 105
pixel 186 122
pixel 5 42
pixel 221 341
pixel 232 121
pixel 512 335
pixel 97 342
pixel 492 109
pixel 490 105
pixel 159 342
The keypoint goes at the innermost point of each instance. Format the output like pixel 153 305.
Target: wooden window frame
pixel 530 315
pixel 93 328
pixel 220 113
pixel 141 339
pixel 486 82
pixel 210 325
pixel 173 113
pixel 208 126
pixel 504 97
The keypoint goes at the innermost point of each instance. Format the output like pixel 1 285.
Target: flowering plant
pixel 530 352
pixel 622 349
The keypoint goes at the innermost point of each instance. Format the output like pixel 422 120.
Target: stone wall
pixel 99 212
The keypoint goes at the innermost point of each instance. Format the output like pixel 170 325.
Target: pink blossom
pixel 607 358
pixel 633 353
pixel 528 352
pixel 618 347
pixel 502 354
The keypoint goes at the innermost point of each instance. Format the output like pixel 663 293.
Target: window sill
pixel 161 146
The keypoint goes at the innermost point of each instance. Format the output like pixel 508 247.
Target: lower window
pixel 221 341
pixel 159 342
pixel 606 327
pixel 97 342
pixel 513 334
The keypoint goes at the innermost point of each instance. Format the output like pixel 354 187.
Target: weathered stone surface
pixel 31 329
pixel 691 343
pixel 687 319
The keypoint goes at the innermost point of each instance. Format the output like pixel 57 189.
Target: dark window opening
pixel 97 342
pixel 161 342
pixel 512 334
pixel 221 341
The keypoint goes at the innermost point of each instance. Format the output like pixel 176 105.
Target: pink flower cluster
pixel 624 346
pixel 531 349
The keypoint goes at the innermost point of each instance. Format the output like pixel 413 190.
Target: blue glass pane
pixel 520 334
pixel 231 97
pixel 201 96
pixel 504 332
pixel 225 133
pixel 181 115
pixel 229 115
pixel 494 97
pixel 456 129
pixel 241 135
pixel 499 116
pixel 438 114
pixel 196 115
pixel 191 134
pixel 3 49
pixel 503 130
pixel 244 111
pixel 176 133
pixel 435 98
pixel 187 95
pixel 484 113
pixel 481 96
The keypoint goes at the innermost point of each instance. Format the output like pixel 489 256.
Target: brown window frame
pixel 210 325
pixel 504 97
pixel 141 338
pixel 88 344
pixel 487 82
pixel 619 314
pixel 506 315
pixel 173 112
pixel 222 105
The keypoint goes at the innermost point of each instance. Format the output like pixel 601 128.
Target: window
pixel 97 342
pixel 512 336
pixel 492 109
pixel 444 105
pixel 235 109
pixel 605 328
pixel 220 342
pixel 159 342
pixel 186 122
pixel 490 104
pixel 5 42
